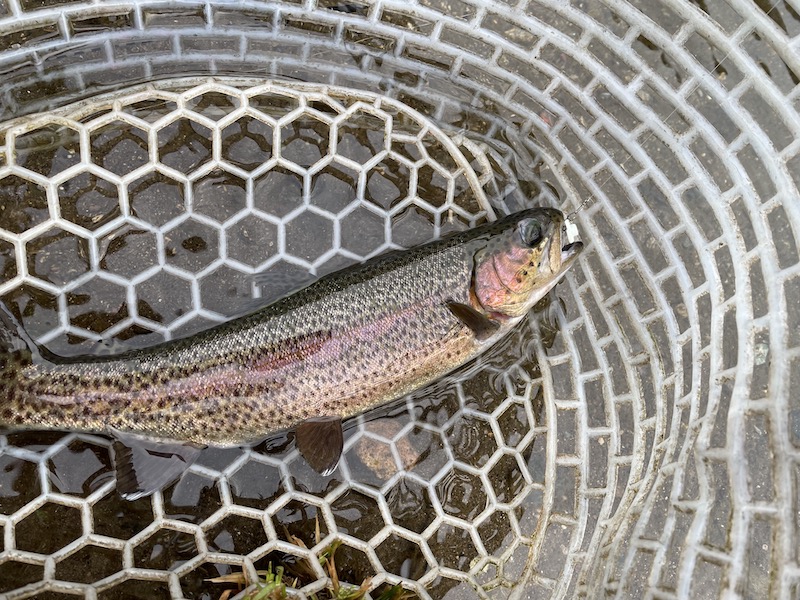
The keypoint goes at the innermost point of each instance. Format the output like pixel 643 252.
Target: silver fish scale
pixel 652 448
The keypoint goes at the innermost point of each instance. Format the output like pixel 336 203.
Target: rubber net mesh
pixel 165 166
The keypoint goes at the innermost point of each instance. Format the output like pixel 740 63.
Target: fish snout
pixel 570 252
pixel 573 246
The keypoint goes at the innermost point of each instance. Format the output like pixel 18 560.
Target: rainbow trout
pixel 350 341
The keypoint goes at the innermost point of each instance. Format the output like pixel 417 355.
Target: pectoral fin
pixel 145 465
pixel 320 441
pixel 480 324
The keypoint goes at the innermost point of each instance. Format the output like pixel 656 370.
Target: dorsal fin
pixel 13 338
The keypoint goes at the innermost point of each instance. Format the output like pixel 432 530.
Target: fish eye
pixel 531 232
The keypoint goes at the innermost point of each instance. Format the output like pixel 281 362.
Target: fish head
pixel 522 262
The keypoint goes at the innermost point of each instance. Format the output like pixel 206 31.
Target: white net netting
pixel 639 438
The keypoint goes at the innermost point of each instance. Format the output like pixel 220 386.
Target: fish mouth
pixel 554 250
pixel 561 256
pixel 569 253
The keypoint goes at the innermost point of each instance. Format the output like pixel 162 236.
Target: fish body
pixel 337 347
pixel 350 341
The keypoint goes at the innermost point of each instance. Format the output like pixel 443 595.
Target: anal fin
pixel 145 465
pixel 320 441
pixel 480 324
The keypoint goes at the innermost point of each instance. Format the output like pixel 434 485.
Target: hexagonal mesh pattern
pixel 151 213
pixel 641 441
pixel 187 193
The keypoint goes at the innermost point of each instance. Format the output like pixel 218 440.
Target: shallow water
pixel 154 254
pixel 655 448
